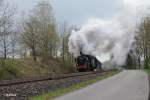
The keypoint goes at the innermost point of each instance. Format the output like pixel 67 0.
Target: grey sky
pixel 75 11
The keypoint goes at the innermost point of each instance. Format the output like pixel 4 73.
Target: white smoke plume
pixel 110 39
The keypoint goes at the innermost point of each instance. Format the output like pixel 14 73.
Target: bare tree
pixel 47 29
pixel 6 24
pixel 65 31
pixel 30 36
pixel 14 40
pixel 143 41
pixel 40 32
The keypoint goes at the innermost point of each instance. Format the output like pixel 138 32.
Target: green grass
pixel 21 68
pixel 148 71
pixel 74 87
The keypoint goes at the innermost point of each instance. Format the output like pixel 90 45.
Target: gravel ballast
pixel 24 91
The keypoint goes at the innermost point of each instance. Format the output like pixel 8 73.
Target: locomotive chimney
pixel 81 53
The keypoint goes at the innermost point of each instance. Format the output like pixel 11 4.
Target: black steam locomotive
pixel 87 63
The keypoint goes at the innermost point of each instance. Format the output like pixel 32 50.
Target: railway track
pixel 40 79
pixel 21 89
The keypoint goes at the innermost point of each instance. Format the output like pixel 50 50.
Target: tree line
pixel 36 35
pixel 139 56
pixel 142 48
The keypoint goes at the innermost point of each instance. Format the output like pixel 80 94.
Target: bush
pixel 67 67
pixel 8 69
pixel 147 64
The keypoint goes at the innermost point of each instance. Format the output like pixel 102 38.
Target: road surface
pixel 127 85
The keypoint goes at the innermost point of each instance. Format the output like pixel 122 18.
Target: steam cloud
pixel 110 39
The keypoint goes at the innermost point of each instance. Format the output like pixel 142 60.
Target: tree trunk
pixel 5 50
pixel 139 62
pixel 34 53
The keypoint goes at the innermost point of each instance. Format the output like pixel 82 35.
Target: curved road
pixel 127 85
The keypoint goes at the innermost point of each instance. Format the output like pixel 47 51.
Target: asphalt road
pixel 127 85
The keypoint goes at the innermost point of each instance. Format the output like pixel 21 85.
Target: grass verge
pixel 148 71
pixel 60 92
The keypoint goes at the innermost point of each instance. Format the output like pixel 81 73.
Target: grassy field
pixel 74 87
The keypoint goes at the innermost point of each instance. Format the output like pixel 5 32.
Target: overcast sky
pixel 75 11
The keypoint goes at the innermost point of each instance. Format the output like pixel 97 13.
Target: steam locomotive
pixel 87 63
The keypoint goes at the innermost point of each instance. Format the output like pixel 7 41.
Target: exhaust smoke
pixel 109 40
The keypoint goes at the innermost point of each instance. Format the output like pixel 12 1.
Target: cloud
pixel 136 3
